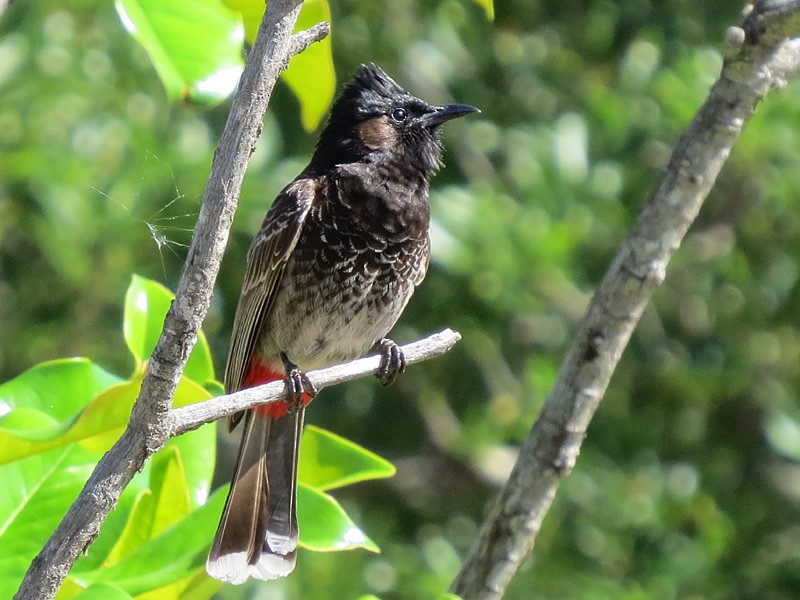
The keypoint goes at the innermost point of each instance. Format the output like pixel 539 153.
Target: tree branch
pixel 758 58
pixel 303 39
pixel 193 416
pixel 150 424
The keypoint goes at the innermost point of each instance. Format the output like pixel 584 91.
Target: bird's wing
pixel 266 262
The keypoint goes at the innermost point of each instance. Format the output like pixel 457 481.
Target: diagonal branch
pixel 150 424
pixel 758 58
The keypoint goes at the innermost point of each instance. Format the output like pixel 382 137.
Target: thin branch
pixel 193 416
pixel 303 39
pixel 758 58
pixel 150 423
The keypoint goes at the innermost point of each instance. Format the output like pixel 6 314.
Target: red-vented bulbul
pixel 337 258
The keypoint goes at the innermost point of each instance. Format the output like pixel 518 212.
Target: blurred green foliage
pixel 688 485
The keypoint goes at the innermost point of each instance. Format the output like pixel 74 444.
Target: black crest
pixel 370 93
pixel 405 128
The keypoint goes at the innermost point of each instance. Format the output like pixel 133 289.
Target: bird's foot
pixel 300 389
pixel 393 361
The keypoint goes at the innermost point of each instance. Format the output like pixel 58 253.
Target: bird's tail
pixel 257 535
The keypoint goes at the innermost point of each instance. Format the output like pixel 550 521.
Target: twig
pixel 191 417
pixel 303 39
pixel 149 427
pixel 758 58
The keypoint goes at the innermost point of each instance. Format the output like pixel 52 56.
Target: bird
pixel 337 258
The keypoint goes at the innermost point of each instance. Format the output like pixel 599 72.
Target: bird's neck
pixel 384 198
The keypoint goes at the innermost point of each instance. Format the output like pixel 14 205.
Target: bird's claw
pixel 393 361
pixel 300 390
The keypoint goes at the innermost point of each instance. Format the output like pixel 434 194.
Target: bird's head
pixel 375 119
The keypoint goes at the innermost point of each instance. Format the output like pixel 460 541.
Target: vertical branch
pixel 758 58
pixel 151 420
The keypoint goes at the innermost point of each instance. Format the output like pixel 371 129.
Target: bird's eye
pixel 399 114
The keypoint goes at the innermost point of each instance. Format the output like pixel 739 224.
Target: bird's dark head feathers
pixel 372 93
pixel 374 119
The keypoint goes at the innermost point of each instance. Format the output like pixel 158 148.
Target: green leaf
pixel 103 591
pixel 57 403
pixel 324 526
pixel 25 431
pixel 251 12
pixel 156 509
pixel 310 75
pixel 110 411
pixel 56 388
pixel 137 529
pixel 69 589
pixel 488 8
pixel 176 554
pixel 146 305
pixel 214 387
pixel 37 492
pixel 328 461
pixel 168 482
pixel 181 589
pixel 200 587
pixel 449 597
pixel 196 451
pixel 195 45
pixel 45 402
pixel 198 455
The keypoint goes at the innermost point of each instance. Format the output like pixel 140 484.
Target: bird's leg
pixel 393 362
pixel 301 389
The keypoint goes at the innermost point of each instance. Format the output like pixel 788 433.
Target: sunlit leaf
pixel 146 305
pixel 329 461
pixel 45 402
pixel 324 526
pixel 310 75
pixel 200 587
pixel 197 450
pixel 252 12
pixel 69 589
pixel 214 387
pixel 37 491
pixel 488 7
pixel 176 554
pixel 57 387
pixel 195 45
pixel 96 426
pixel 168 482
pixel 157 508
pixel 137 528
pixel 103 591
pixel 198 454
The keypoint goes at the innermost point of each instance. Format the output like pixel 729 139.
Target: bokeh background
pixel 688 485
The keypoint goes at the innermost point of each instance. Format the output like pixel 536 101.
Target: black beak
pixel 448 112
